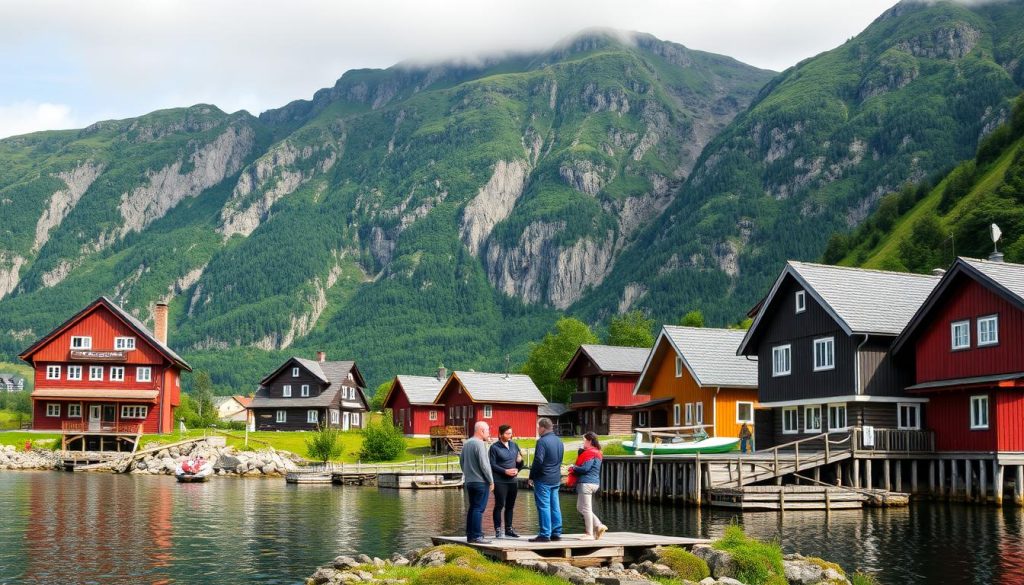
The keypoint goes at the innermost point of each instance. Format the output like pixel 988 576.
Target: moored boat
pixel 193 471
pixel 680 447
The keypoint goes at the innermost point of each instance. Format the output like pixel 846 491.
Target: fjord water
pixel 119 529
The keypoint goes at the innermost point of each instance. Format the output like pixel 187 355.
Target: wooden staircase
pixel 454 444
pixel 776 462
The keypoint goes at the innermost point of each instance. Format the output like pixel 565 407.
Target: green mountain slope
pixel 403 217
pixel 909 96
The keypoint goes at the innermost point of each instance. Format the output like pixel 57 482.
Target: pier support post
pixel 899 475
pixel 997 488
pixel 886 483
pixel 1018 488
pixel 700 478
pixel 968 480
pixel 839 473
pixel 856 473
pixel 954 492
pixel 817 474
pixel 867 474
pixel 942 478
pixel 913 476
pixel 982 482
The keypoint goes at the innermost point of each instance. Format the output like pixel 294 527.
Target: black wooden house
pixel 304 394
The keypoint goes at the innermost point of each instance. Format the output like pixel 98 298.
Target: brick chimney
pixel 442 373
pixel 321 356
pixel 160 322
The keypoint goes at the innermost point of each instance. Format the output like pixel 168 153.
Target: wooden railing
pixel 118 428
pixel 787 458
pixel 588 397
pixel 895 441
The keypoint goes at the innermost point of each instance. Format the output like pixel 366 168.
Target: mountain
pixel 402 217
pixel 908 97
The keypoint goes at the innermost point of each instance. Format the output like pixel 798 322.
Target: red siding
pixel 103 326
pixel 522 417
pixel 1009 415
pixel 949 416
pixel 41 422
pixel 620 391
pixel 968 300
pixel 416 418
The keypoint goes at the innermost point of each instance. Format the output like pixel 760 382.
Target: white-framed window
pixel 295 372
pixel 134 411
pixel 117 373
pixel 95 373
pixel 282 416
pixel 53 409
pixel 488 411
pixel 143 374
pixel 53 372
pixel 81 342
pixel 335 417
pixel 812 419
pixel 74 372
pixel 800 301
pixel 286 390
pixel 124 343
pixel 988 330
pixel 679 367
pixel 908 416
pixel 75 410
pixel 782 362
pixel 790 420
pixel 745 412
pixel 689 413
pixel 836 417
pixel 960 334
pixel 979 412
pixel 312 416
pixel 355 419
pixel 824 354
pixel 676 415
pixel 432 415
pixel 641 419
pixel 304 390
pixel 698 413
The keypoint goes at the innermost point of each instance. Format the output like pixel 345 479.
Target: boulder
pixel 572 574
pixel 322 575
pixel 801 570
pixel 656 570
pixel 719 562
pixel 344 562
pixel 434 558
pixel 364 559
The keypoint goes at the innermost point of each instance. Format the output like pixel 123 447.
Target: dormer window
pixel 801 301
pixel 124 343
pixel 295 372
pixel 79 342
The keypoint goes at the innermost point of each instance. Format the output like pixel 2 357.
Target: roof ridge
pixel 797 263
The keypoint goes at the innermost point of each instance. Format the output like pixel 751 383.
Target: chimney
pixel 160 322
pixel 321 356
pixel 938 271
pixel 442 372
pixel 995 257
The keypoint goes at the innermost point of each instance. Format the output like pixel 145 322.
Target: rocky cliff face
pixel 493 203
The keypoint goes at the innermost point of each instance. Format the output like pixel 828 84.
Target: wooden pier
pixel 613 547
pixel 802 497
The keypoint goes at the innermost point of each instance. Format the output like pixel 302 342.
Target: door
pixel 344 421
pixel 109 412
pixel 94 417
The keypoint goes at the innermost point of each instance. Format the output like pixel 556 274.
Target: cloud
pixel 24 117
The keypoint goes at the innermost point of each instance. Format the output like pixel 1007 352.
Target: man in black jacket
pixel 506 461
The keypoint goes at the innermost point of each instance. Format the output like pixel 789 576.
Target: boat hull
pixel 713 445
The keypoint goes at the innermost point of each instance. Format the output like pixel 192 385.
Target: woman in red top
pixel 586 475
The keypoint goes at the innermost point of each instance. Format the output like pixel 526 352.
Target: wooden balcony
pixel 890 441
pixel 74 427
pixel 582 398
pixel 443 431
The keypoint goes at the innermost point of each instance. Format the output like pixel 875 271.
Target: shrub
pixel 686 564
pixel 382 441
pixel 324 444
pixel 860 578
pixel 758 563
pixel 455 575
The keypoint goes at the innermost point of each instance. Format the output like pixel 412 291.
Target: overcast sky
pixel 67 64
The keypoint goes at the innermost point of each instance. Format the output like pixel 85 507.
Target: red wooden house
pixel 966 341
pixel 605 377
pixel 412 400
pixel 497 399
pixel 102 378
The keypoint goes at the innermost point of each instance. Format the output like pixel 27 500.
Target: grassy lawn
pixel 18 438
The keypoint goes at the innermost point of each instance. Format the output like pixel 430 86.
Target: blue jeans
pixel 549 512
pixel 744 444
pixel 477 492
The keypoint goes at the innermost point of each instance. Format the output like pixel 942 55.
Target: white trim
pixel 353 420
pixel 304 391
pixel 134 411
pixel 140 370
pixel 846 398
pixel 828 342
pixel 335 417
pixel 976 425
pixel 800 301
pixel 53 372
pixel 286 390
pixel 124 343
pixel 788 349
pixel 807 420
pixel 846 413
pixel 313 416
pixel 75 404
pixel 432 414
pixel 74 372
pixel 488 411
pixel 796 419
pixel 689 414
pixel 679 366
pixel 995 320
pixel 739 419
pixel 641 419
pixel 899 418
pixel 85 339
pixel 281 416
pixel 92 376
pixel 116 374
pixel 698 413
pixel 295 372
pixel 952 334
pixel 51 411
pixel 677 415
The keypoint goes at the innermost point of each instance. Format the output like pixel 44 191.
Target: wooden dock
pixel 787 497
pixel 613 547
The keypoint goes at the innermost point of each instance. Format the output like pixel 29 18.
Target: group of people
pixel 495 469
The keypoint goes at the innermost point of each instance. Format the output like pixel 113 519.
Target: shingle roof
pixel 1009 276
pixel 711 355
pixel 421 389
pixel 488 387
pixel 145 330
pixel 328 372
pixel 610 358
pixel 323 400
pixel 554 409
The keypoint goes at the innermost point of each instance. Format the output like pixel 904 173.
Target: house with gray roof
pixel 605 376
pixel 470 397
pixel 822 338
pixel 412 401
pixel 11 382
pixel 303 394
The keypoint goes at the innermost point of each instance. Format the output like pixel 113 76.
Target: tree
pixel 324 444
pixel 694 318
pixel 382 441
pixel 743 324
pixel 549 358
pixel 631 330
pixel 377 402
pixel 202 398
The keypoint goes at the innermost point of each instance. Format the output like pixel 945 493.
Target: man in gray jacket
pixel 478 481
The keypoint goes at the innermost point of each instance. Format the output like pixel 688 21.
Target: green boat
pixel 680 447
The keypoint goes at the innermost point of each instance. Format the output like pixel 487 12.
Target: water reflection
pixel 111 529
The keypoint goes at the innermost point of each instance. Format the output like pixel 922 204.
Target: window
pixel 988 330
pixel 836 417
pixel 143 374
pixel 81 342
pixel 286 391
pixel 689 413
pixel 117 373
pixel 304 391
pixel 355 419
pixel 53 372
pixel 334 417
pixel 961 334
pixel 824 354
pixel 979 412
pixel 96 373
pixel 699 413
pixel 432 415
pixel 295 372
pixel 676 418
pixel 74 372
pixel 679 367
pixel 53 409
pixel 282 416
pixel 790 421
pixel 801 301
pixel 781 362
pixel 812 419
pixel 488 411
pixel 745 412
pixel 124 343
pixel 312 416
pixel 908 416
pixel 75 410
pixel 133 411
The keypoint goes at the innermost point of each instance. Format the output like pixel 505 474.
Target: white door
pixel 344 421
pixel 94 417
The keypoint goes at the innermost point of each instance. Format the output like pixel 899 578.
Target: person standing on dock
pixel 745 436
pixel 546 478
pixel 586 474
pixel 478 481
pixel 506 461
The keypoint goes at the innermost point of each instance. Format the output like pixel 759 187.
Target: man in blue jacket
pixel 546 478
